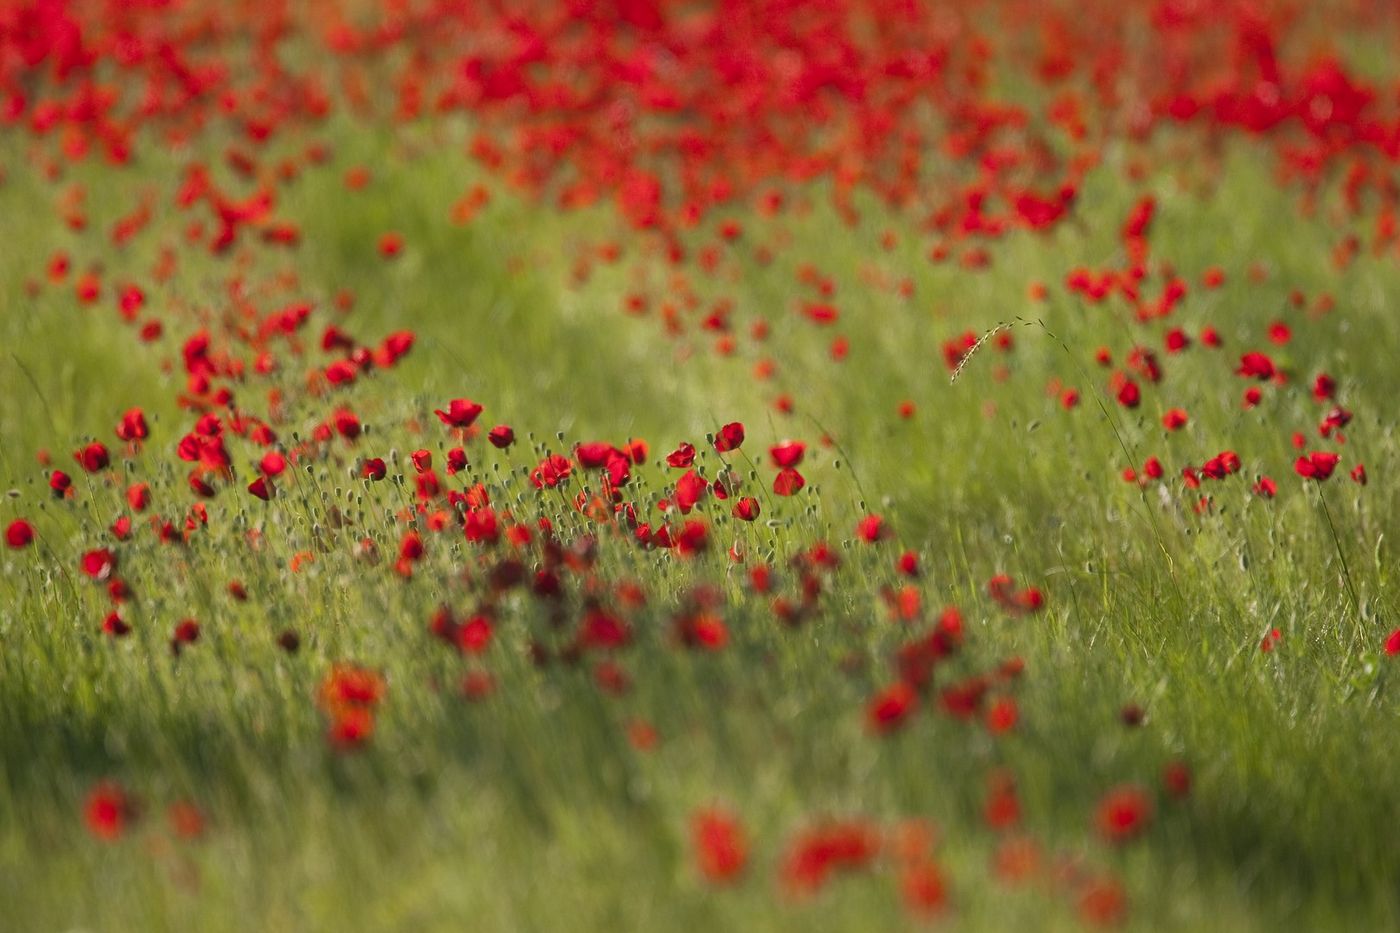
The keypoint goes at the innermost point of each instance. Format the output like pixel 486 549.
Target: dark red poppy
pixel 730 437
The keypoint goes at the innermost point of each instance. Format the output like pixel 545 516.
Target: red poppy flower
pixel 923 888
pixel 390 245
pixel 93 457
pixel 730 437
pixel 1256 365
pixel 474 635
pixel 871 528
pixel 788 482
pixel 133 427
pixel 461 413
pixel 99 564
pixel 1317 465
pixel 501 436
pixel 351 727
pixel 272 464
pixel 1176 779
pixel 721 849
pixel 186 633
pixel 60 482
pixel 115 626
pixel 138 496
pixel 891 707
pixel 19 534
pixel 108 811
pixel 1123 813
pixel 787 454
pixel 817 853
pixel 683 456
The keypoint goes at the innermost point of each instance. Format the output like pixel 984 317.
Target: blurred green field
pixel 530 810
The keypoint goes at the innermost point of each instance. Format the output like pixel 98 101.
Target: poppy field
pixel 699 465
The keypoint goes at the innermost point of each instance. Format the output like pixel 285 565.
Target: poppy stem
pixel 1341 555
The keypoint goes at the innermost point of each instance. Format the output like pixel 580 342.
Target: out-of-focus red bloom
pixel 1176 779
pixel 348 695
pixel 816 854
pixel 390 244
pixel 721 848
pixel 1002 589
pixel 133 426
pixel 788 482
pixel 871 528
pixel 186 633
pixel 138 496
pixel 891 707
pixel 99 564
pixel 1256 365
pixel 1102 903
pixel 1123 813
pixel 351 685
pixel 186 819
pixel 108 811
pixel 351 727
pixel 787 454
pixel 1002 809
pixel 60 482
pixel 923 888
pixel 115 626
pixel 93 457
pixel 19 533
pixel 1317 465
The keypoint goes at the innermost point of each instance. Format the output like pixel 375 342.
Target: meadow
pixel 688 466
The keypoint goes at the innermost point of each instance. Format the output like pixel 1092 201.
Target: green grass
pixel 531 810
